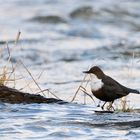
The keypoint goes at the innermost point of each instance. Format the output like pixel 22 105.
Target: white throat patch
pixel 96 83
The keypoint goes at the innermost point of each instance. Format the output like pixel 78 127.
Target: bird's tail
pixel 134 91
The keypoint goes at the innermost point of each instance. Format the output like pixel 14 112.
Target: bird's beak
pixel 87 72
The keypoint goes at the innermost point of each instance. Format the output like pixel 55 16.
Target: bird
pixel 105 88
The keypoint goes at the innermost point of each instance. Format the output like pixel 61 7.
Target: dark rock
pixel 49 19
pixel 13 96
pixel 83 12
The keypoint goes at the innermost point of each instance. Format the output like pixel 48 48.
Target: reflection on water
pixel 62 39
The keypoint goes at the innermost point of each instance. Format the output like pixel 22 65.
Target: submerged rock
pixel 49 19
pixel 85 12
pixel 10 95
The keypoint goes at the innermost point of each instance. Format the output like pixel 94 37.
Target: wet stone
pixel 49 19
pixel 85 12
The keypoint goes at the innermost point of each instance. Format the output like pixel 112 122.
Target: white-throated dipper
pixel 105 88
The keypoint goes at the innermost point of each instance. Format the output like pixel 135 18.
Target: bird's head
pixel 96 71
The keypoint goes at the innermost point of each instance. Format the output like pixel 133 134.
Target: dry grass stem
pixel 124 106
pixel 49 92
pixel 41 91
pixel 9 57
pixel 83 89
pixel 86 92
pixel 32 77
pixel 78 88
pixel 27 85
pixel 13 73
pixel 3 77
pixel 17 38
pixel 41 73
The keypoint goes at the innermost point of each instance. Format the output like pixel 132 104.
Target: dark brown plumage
pixel 110 89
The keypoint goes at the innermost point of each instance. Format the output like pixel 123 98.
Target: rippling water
pixel 65 122
pixel 61 39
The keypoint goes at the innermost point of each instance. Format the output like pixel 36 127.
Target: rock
pixel 85 12
pixel 49 19
pixel 13 96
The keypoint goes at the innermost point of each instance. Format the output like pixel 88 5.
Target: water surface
pixel 61 39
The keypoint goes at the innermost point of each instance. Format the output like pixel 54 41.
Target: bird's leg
pixel 99 104
pixel 110 106
pixel 113 108
pixel 103 106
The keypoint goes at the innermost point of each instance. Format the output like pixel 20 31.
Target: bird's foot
pixel 110 108
pixel 102 107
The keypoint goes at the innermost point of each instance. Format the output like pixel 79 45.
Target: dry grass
pixel 124 106
pixel 8 73
pixel 78 89
pixel 82 88
pixel 41 91
pixel 124 103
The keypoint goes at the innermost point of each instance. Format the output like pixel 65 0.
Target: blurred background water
pixel 61 39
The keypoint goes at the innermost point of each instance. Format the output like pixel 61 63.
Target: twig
pixel 17 38
pixel 4 79
pixel 13 72
pixel 42 90
pixel 7 47
pixel 49 92
pixel 14 79
pixel 88 94
pixel 27 85
pixel 32 77
pixel 84 98
pixel 40 74
pixel 36 82
pixel 78 89
pixel 84 93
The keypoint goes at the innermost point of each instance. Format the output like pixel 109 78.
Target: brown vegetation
pixel 12 95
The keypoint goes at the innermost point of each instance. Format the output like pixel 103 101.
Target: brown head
pixel 97 71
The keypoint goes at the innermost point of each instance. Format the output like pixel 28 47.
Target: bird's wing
pixel 113 88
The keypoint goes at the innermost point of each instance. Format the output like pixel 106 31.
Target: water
pixel 65 122
pixel 61 39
